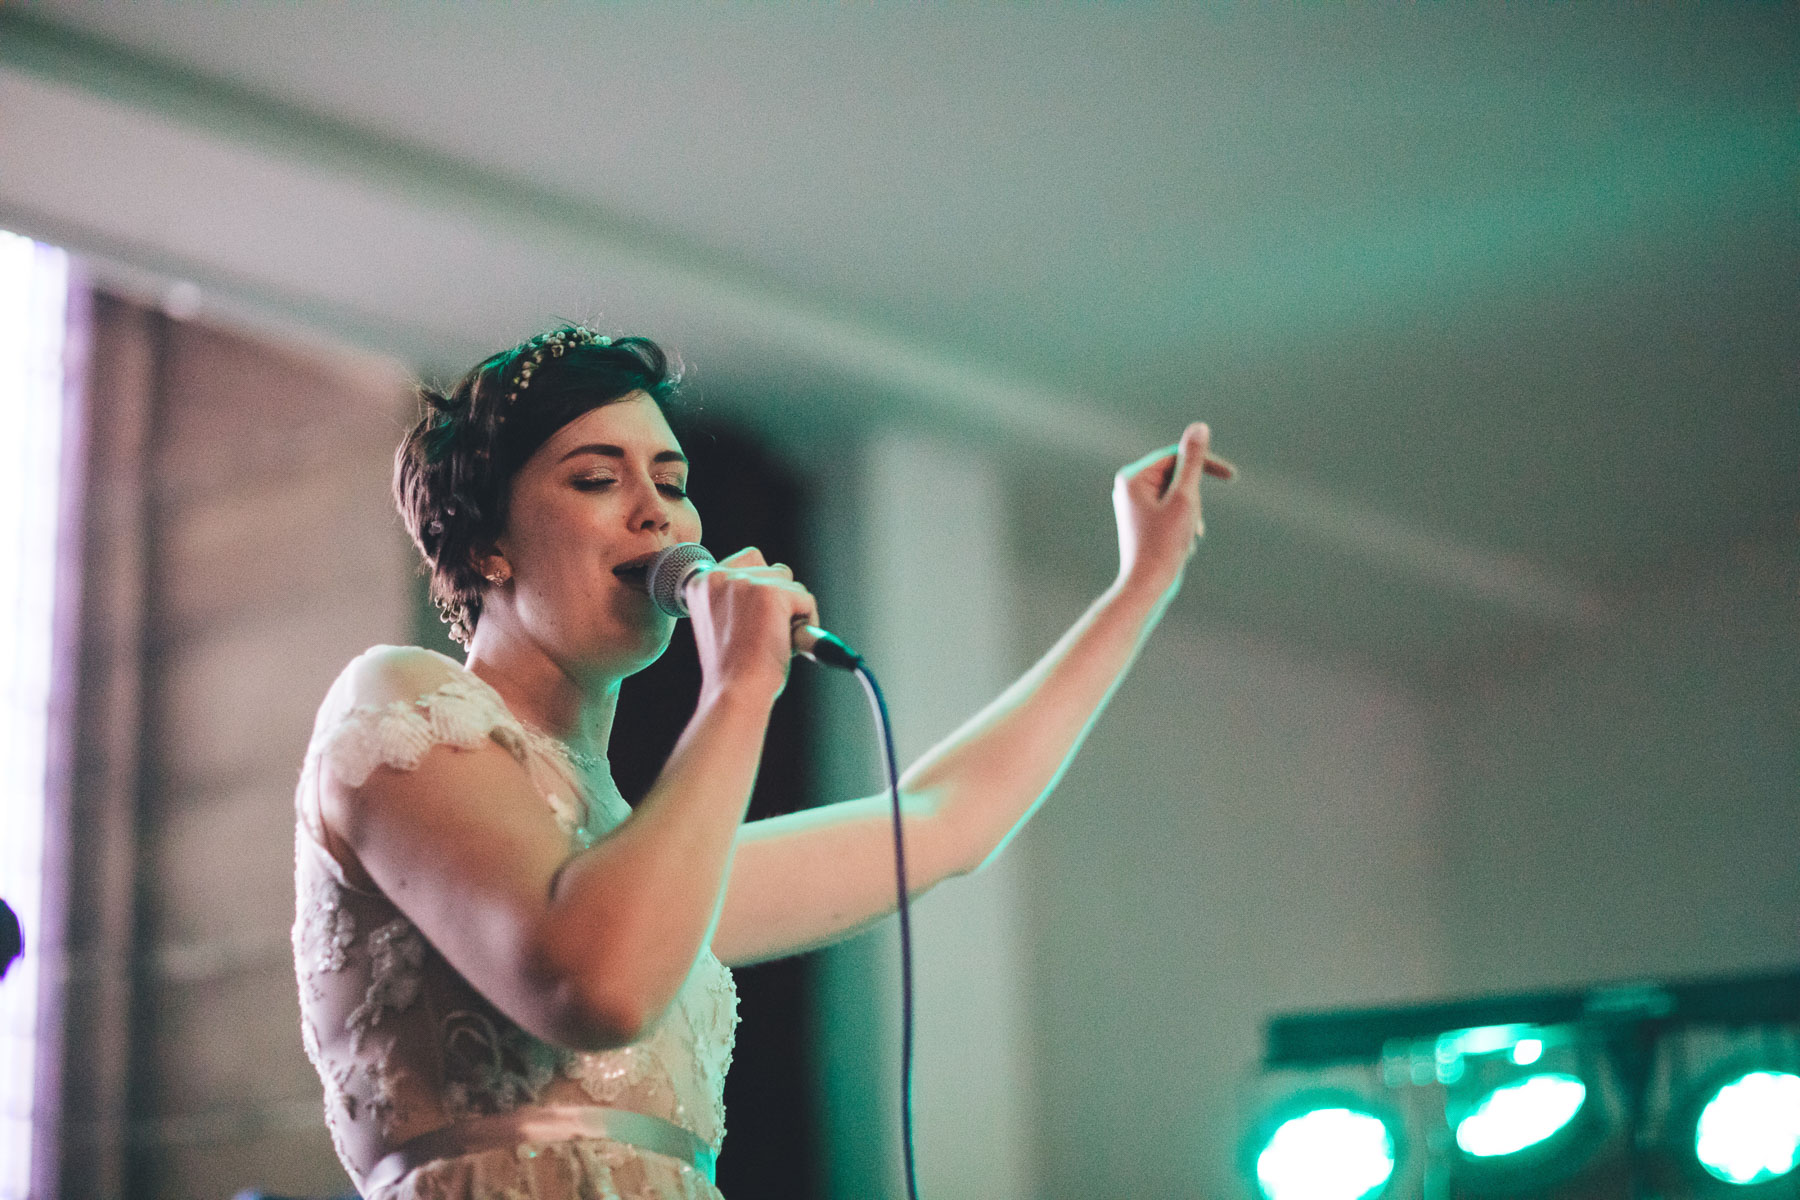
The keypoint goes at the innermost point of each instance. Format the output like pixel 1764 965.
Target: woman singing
pixel 512 985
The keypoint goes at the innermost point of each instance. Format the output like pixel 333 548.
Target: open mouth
pixel 635 572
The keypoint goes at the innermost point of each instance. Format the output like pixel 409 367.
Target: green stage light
pixel 1749 1130
pixel 1527 1051
pixel 1327 1153
pixel 1517 1116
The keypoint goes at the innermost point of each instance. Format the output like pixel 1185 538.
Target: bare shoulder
pixel 420 784
pixel 393 705
pixel 383 674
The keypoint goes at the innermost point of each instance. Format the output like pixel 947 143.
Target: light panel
pixel 1517 1116
pixel 1749 1131
pixel 1327 1154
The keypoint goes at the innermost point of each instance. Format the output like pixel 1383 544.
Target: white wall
pixel 240 547
pixel 1252 831
pixel 924 583
pixel 1631 807
pixel 1246 832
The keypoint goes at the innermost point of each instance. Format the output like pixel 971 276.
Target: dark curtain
pixel 745 498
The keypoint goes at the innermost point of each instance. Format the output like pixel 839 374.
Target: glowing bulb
pixel 1521 1114
pixel 1527 1051
pixel 1327 1154
pixel 1749 1132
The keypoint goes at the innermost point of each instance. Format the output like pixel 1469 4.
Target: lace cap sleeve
pixel 459 711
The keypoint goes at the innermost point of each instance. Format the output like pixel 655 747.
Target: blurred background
pixel 1484 681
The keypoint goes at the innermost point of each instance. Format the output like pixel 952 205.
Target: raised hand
pixel 1156 501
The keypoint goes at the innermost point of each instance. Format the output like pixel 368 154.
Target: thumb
pixel 1190 459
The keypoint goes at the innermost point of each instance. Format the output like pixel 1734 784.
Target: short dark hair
pixel 453 472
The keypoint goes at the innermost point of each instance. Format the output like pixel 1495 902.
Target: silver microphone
pixel 667 576
pixel 669 573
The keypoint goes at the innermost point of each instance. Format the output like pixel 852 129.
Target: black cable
pixel 828 650
pixel 665 578
pixel 889 761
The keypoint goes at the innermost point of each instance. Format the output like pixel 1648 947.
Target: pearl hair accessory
pixel 550 345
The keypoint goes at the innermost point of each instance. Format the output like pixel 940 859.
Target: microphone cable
pixel 664 579
pixel 829 650
pixel 890 764
pixel 832 651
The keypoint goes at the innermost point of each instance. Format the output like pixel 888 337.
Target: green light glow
pixel 1527 1051
pixel 1521 1114
pixel 1483 1039
pixel 1327 1154
pixel 1749 1132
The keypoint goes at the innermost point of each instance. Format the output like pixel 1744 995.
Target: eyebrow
pixel 607 450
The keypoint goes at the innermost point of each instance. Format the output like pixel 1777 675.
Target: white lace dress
pixel 405 1046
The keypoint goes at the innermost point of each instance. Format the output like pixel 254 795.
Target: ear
pixel 491 564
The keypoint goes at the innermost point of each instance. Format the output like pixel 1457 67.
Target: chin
pixel 641 646
pixel 628 636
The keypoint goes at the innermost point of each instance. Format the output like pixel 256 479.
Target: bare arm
pixel 808 879
pixel 586 950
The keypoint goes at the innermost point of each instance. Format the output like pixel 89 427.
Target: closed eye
pixel 596 483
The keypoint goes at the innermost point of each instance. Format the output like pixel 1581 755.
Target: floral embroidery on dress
pixel 491 1068
pixel 568 815
pixel 372 989
pixel 369 1089
pixel 608 1078
pixel 461 712
pixel 714 1028
pixel 325 930
pixel 396 954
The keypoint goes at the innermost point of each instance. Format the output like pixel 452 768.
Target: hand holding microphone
pixel 670 573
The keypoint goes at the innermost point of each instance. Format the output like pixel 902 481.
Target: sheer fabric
pixel 404 1045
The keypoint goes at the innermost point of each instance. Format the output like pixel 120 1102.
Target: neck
pixel 576 709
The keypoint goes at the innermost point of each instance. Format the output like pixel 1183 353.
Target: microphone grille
pixel 669 570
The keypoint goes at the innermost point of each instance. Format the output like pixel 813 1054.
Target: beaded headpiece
pixel 531 355
pixel 518 365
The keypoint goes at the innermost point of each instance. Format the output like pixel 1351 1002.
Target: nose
pixel 651 513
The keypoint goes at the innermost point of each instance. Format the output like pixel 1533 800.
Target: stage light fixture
pixel 1516 1116
pixel 1684 1090
pixel 1325 1146
pixel 1527 1107
pixel 1748 1130
pixel 1726 1101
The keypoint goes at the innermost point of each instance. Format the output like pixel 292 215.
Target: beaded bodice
pixel 403 1044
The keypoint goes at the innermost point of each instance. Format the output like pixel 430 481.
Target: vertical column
pixel 933 616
